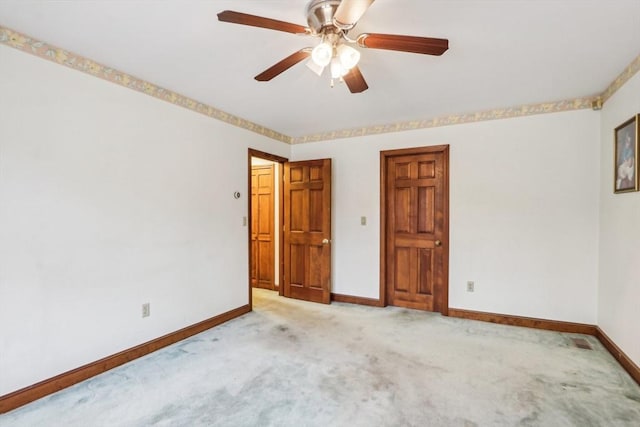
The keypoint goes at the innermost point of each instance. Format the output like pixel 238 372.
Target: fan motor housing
pixel 320 15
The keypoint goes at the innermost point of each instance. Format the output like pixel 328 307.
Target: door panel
pixel 307 230
pixel 425 271
pixel 296 265
pixel 265 265
pixel 262 232
pixel 416 228
pixel 402 269
pixel 296 198
pixel 426 217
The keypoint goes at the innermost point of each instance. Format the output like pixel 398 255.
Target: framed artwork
pixel 626 156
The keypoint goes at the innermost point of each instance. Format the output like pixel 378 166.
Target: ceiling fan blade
pixel 283 65
pixel 354 80
pixel 259 21
pixel 349 12
pixel 425 45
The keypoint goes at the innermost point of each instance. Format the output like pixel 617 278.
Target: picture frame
pixel 625 158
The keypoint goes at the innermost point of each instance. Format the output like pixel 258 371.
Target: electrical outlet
pixel 146 309
pixel 470 286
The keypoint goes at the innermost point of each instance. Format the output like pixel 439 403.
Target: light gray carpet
pixel 291 363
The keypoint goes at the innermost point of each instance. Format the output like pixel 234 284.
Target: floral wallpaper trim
pixel 38 48
pixel 43 50
pixel 624 77
pixel 504 113
pixel 524 110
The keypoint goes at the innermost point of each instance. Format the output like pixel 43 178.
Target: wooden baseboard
pixel 36 391
pixel 558 326
pixel 619 355
pixel 21 397
pixel 527 322
pixel 356 300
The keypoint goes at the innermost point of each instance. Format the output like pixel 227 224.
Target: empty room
pixel 325 212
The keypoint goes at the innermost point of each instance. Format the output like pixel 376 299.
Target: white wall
pixel 109 199
pixel 619 282
pixel 524 212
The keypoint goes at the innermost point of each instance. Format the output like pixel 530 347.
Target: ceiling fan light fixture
pixel 331 20
pixel 349 56
pixel 322 54
pixel 337 69
pixel 315 67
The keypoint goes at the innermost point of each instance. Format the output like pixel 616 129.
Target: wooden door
pixel 307 230
pixel 262 225
pixel 415 191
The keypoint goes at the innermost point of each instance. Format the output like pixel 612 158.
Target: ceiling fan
pixel 331 21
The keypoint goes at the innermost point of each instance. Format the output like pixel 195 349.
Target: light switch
pixel 363 220
pixel 244 221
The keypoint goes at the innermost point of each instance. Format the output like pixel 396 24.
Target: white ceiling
pixel 501 54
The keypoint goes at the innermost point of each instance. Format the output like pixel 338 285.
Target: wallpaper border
pixel 457 119
pixel 495 114
pixel 61 56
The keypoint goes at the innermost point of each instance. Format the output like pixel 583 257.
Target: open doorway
pixel 265 221
pixel 265 214
pixel 290 209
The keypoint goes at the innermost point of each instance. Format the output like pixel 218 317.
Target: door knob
pixel 438 243
pixel 325 241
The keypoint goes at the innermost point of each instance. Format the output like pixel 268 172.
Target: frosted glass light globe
pixel 322 54
pixel 349 56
